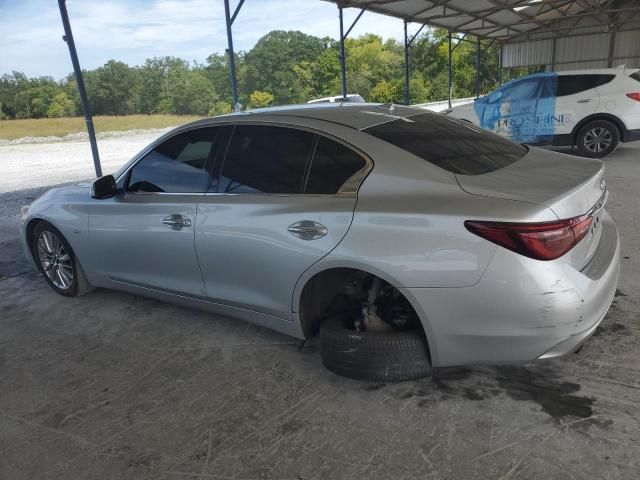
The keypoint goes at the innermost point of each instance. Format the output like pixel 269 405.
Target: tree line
pixel 284 67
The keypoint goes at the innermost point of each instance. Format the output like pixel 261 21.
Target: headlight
pixel 24 210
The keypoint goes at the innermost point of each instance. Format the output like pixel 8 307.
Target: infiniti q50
pixel 391 218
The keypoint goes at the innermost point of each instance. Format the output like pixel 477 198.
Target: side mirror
pixel 104 187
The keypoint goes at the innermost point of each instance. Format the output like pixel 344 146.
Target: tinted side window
pixel 636 75
pixel 176 165
pixel 453 145
pixel 265 159
pixel 333 164
pixel 572 84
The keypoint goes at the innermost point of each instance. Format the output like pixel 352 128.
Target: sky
pixel 134 30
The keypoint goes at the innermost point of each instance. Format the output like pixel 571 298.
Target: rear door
pixel 283 198
pixel 577 98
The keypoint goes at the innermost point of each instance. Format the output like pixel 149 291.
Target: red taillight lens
pixel 541 241
pixel 634 96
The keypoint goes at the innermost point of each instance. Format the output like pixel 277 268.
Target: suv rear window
pixel 636 75
pixel 572 84
pixel 453 145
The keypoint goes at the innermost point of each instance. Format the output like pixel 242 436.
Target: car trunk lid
pixel 570 186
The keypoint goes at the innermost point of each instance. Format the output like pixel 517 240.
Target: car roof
pixel 596 71
pixel 593 71
pixel 354 115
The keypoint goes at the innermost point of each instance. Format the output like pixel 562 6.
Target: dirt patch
pixel 613 328
pixel 556 397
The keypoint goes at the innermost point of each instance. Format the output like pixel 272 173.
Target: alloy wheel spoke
pixel 59 276
pixel 66 278
pixel 43 243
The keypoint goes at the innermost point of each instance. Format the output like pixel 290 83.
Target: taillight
pixel 634 96
pixel 541 241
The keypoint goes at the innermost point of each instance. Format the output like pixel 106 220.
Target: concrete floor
pixel 116 386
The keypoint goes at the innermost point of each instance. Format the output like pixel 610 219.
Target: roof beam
pixel 549 18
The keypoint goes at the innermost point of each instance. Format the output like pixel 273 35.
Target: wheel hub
pixel 55 260
pixel 598 139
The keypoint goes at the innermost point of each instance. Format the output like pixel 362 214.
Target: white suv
pixel 591 109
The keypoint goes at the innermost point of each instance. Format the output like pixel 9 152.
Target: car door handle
pixel 307 230
pixel 176 221
pixel 585 100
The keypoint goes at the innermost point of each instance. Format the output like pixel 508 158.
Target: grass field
pixel 59 127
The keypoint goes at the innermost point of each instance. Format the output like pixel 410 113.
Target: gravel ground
pixel 111 385
pixel 30 165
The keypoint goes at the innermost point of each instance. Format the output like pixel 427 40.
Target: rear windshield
pixel 636 75
pixel 454 145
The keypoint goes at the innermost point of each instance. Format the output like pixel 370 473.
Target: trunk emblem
pixel 603 184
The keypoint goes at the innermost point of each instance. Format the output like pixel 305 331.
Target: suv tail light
pixel 634 96
pixel 540 241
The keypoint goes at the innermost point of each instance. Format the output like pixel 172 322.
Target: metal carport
pixel 529 32
pixel 553 33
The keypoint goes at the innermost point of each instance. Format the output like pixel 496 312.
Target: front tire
pixel 57 262
pixel 597 139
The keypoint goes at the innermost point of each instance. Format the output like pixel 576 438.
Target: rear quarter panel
pixel 614 101
pixel 408 226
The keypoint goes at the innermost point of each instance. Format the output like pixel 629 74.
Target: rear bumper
pixel 522 309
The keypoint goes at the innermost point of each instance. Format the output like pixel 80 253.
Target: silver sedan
pixel 393 217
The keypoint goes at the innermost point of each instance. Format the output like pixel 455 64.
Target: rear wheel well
pixel 598 116
pixel 342 291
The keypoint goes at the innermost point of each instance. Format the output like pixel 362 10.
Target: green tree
pixel 61 106
pixel 111 89
pixel 292 66
pixel 260 99
pixel 220 107
pixel 269 65
pixel 384 92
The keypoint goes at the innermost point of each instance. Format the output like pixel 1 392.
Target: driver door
pixel 145 234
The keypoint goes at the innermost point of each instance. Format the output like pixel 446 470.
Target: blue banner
pixel 523 110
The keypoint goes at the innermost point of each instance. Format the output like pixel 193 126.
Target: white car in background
pixel 591 109
pixel 349 98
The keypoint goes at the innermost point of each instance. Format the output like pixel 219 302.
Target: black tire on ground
pixel 79 285
pixel 597 139
pixel 381 357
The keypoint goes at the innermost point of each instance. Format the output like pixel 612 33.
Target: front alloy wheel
pixel 55 260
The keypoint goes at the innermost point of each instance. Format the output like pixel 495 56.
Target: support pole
pixel 500 65
pixel 343 37
pixel 84 101
pixel 612 48
pixel 232 60
pixel 478 68
pixel 407 94
pixel 343 69
pixel 449 72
